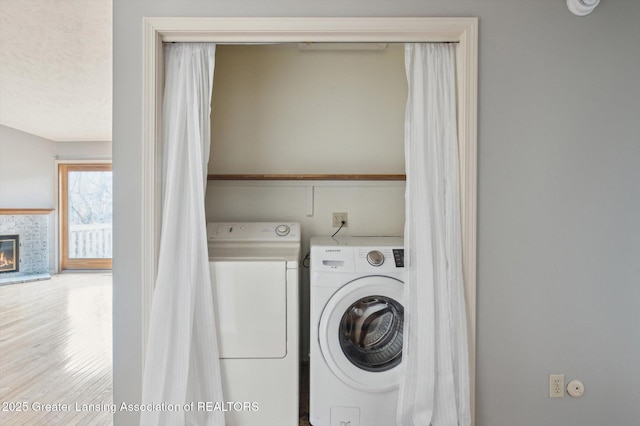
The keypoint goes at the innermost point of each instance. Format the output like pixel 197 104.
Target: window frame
pixel 67 263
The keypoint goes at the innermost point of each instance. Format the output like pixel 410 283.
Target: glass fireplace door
pixel 86 216
pixel 9 253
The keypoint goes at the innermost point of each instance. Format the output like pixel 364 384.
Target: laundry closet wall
pixel 558 164
pixel 279 110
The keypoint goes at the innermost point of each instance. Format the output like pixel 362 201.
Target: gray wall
pixel 559 172
pixel 27 170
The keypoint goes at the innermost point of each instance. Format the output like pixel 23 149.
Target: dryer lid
pixel 291 255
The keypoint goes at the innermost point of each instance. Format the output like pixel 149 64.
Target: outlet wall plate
pixel 337 219
pixel 556 385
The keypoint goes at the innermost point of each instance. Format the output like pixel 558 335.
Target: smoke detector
pixel 582 7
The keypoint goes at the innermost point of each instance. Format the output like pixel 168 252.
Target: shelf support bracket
pixel 310 195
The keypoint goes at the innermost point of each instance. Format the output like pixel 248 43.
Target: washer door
pixel 360 332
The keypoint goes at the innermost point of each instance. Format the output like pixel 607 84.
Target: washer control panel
pixel 370 255
pixel 253 232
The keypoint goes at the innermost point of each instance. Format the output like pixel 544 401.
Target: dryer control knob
pixel 282 230
pixel 375 258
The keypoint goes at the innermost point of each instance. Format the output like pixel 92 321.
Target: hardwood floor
pixel 55 348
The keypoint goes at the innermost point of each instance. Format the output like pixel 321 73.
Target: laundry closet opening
pixel 462 31
pixel 280 110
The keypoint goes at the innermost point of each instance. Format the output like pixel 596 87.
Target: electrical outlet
pixel 338 218
pixel 556 385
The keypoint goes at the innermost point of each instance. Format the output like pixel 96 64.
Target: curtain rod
pixel 314 42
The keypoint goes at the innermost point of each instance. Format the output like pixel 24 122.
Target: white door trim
pixel 292 30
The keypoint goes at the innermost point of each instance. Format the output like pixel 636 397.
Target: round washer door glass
pixel 370 333
pixel 360 333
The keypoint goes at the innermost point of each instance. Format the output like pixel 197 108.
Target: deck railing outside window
pixel 90 241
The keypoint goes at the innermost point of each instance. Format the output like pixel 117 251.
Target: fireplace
pixel 9 253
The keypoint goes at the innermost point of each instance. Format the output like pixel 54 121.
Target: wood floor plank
pixel 56 348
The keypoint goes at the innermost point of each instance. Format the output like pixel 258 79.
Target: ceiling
pixel 56 68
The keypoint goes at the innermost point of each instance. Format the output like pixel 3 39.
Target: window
pixel 86 216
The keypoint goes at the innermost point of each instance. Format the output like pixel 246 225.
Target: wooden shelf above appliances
pixel 310 177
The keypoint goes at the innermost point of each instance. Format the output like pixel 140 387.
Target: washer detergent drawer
pixel 250 301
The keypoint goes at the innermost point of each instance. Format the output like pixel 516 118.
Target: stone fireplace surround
pixel 32 225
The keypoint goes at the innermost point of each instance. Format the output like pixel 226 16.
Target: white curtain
pixel 182 363
pixel 435 383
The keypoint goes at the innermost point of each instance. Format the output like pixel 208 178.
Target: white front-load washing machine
pixel 255 286
pixel 357 316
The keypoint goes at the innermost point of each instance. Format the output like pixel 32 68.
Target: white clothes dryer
pixel 255 285
pixel 357 316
